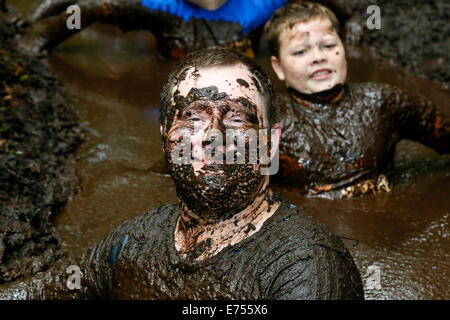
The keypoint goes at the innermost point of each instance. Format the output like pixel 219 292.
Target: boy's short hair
pixel 292 13
pixel 214 57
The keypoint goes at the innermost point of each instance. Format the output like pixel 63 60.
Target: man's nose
pixel 211 138
pixel 216 124
pixel 215 128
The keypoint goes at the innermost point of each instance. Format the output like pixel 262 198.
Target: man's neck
pixel 209 238
pixel 209 4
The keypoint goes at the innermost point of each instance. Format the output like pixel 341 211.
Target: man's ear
pixel 275 139
pixel 161 130
pixel 276 66
pixel 275 136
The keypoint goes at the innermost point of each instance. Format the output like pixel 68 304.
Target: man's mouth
pixel 211 166
pixel 321 74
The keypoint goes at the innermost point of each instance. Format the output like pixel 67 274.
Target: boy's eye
pixel 329 46
pixel 300 52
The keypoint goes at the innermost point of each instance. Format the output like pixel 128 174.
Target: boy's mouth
pixel 321 74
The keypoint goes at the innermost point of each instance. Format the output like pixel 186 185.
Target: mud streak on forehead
pixel 236 81
pixel 202 98
pixel 246 92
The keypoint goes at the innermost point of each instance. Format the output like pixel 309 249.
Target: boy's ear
pixel 276 66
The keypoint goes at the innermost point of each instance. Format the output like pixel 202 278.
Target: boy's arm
pixel 419 120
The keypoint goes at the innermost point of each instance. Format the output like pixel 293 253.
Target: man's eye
pixel 194 119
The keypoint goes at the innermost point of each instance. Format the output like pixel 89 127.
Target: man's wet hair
pixel 208 58
pixel 291 14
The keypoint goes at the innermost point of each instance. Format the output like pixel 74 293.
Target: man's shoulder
pixel 302 259
pixel 155 220
pixel 284 105
pixel 294 227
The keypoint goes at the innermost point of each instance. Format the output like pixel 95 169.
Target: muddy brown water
pixel 114 80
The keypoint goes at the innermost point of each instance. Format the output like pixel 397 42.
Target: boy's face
pixel 311 57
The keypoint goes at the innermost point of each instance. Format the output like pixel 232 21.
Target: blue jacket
pixel 250 14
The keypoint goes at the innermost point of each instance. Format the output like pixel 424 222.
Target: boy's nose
pixel 318 57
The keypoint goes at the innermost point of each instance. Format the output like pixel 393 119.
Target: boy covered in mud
pixel 339 139
pixel 230 236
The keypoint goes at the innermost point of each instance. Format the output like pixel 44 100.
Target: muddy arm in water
pixel 50 8
pixel 50 20
pixel 53 284
pixel 420 121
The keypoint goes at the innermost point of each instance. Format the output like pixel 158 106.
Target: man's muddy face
pixel 311 57
pixel 207 103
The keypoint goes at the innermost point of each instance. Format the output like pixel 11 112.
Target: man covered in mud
pixel 180 26
pixel 230 236
pixel 339 139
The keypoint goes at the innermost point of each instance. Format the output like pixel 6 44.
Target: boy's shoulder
pixel 373 89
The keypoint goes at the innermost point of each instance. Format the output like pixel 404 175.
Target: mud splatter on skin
pixel 217 197
pixel 250 227
pixel 212 98
pixel 256 83
pixel 348 134
pixel 208 93
pixel 236 185
pixel 242 82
